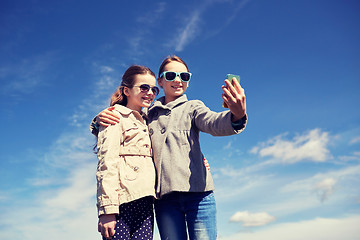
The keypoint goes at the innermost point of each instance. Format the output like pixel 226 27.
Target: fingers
pixel 111 231
pixel 234 87
pixel 108 113
pixel 206 163
pixel 225 99
pixel 228 96
pixel 106 230
pixel 234 92
pixel 234 97
pixel 108 117
pixel 107 225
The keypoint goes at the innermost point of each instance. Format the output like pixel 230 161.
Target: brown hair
pixel 128 81
pixel 171 59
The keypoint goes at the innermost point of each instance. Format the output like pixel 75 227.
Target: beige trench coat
pixel 125 170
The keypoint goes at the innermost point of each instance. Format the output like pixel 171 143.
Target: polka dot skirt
pixel 135 220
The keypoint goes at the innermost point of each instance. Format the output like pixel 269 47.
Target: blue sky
pixel 293 174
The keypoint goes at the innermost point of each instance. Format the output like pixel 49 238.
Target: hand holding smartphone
pixel 230 78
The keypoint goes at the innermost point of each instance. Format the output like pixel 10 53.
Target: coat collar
pixel 160 102
pixel 127 111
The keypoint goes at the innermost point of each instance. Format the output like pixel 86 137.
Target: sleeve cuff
pixel 112 209
pixel 239 124
pixel 94 127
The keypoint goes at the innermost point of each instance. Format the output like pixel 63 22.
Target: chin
pixel 146 105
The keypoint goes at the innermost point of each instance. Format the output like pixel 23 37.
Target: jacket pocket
pixel 130 170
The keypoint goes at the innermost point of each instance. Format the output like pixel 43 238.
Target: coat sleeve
pixel 94 127
pixel 214 123
pixel 107 175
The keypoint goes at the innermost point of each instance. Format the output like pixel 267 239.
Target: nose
pixel 152 91
pixel 177 79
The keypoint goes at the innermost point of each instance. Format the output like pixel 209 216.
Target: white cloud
pixel 310 146
pixel 260 189
pixel 188 32
pixel 354 157
pixel 325 188
pixel 106 69
pixel 346 228
pixel 355 140
pixel 335 187
pixel 252 219
pixel 80 189
pixel 67 212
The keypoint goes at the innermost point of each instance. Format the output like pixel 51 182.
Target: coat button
pixel 136 168
pixel 163 130
pixel 151 131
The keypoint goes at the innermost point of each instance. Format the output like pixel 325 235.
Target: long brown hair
pixel 171 59
pixel 128 81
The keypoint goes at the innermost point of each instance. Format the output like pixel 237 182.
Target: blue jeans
pixel 180 212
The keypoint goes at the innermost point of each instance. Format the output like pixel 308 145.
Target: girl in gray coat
pixel 186 204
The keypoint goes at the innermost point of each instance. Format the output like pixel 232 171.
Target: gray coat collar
pixel 160 102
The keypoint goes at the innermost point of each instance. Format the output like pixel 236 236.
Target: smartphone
pixel 230 78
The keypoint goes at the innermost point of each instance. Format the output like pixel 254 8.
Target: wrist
pixel 235 118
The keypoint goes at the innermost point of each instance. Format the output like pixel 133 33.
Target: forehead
pixel 144 78
pixel 175 66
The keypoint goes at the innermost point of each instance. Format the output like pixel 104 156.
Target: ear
pixel 126 91
pixel 160 82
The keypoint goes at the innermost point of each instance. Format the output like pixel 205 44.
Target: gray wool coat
pixel 174 130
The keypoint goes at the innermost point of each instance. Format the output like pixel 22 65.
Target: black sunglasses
pixel 144 88
pixel 170 76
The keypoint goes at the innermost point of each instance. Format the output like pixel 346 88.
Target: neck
pixel 135 108
pixel 170 99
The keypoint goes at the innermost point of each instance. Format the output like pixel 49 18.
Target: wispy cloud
pixel 152 16
pixel 229 18
pixel 105 82
pixel 324 184
pixel 192 26
pixel 310 146
pixel 24 77
pixel 138 40
pixel 355 140
pixel 355 156
pixel 189 31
